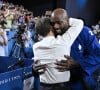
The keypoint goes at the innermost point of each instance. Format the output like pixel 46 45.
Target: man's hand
pixel 67 64
pixel 38 68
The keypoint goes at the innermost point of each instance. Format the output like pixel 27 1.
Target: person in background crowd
pixel 47 51
pixel 22 42
pixel 3 40
pixel 48 14
pixel 96 30
pixel 3 22
pixel 97 26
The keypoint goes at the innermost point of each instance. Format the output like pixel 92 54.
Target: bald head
pixel 59 13
pixel 60 20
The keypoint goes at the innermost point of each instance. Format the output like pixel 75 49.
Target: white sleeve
pixel 71 34
pixel 34 51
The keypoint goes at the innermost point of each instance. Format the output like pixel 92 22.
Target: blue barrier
pixel 12 78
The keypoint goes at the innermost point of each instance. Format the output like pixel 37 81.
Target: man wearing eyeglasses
pixel 50 49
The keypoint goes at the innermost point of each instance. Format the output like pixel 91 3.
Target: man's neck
pixel 50 34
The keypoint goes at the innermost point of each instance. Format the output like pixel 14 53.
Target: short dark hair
pixel 43 26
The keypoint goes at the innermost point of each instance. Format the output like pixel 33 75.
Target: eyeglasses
pixel 56 22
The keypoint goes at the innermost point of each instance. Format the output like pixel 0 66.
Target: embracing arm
pixel 38 69
pixel 76 26
pixel 67 64
pixel 88 59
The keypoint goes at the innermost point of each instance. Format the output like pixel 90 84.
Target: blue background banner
pixel 13 78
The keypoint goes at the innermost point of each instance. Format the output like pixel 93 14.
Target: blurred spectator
pixel 48 13
pixel 3 41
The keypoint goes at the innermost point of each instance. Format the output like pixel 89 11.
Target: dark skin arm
pixel 38 68
pixel 67 64
pixel 62 65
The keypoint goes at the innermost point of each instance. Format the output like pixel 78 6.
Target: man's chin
pixel 58 31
